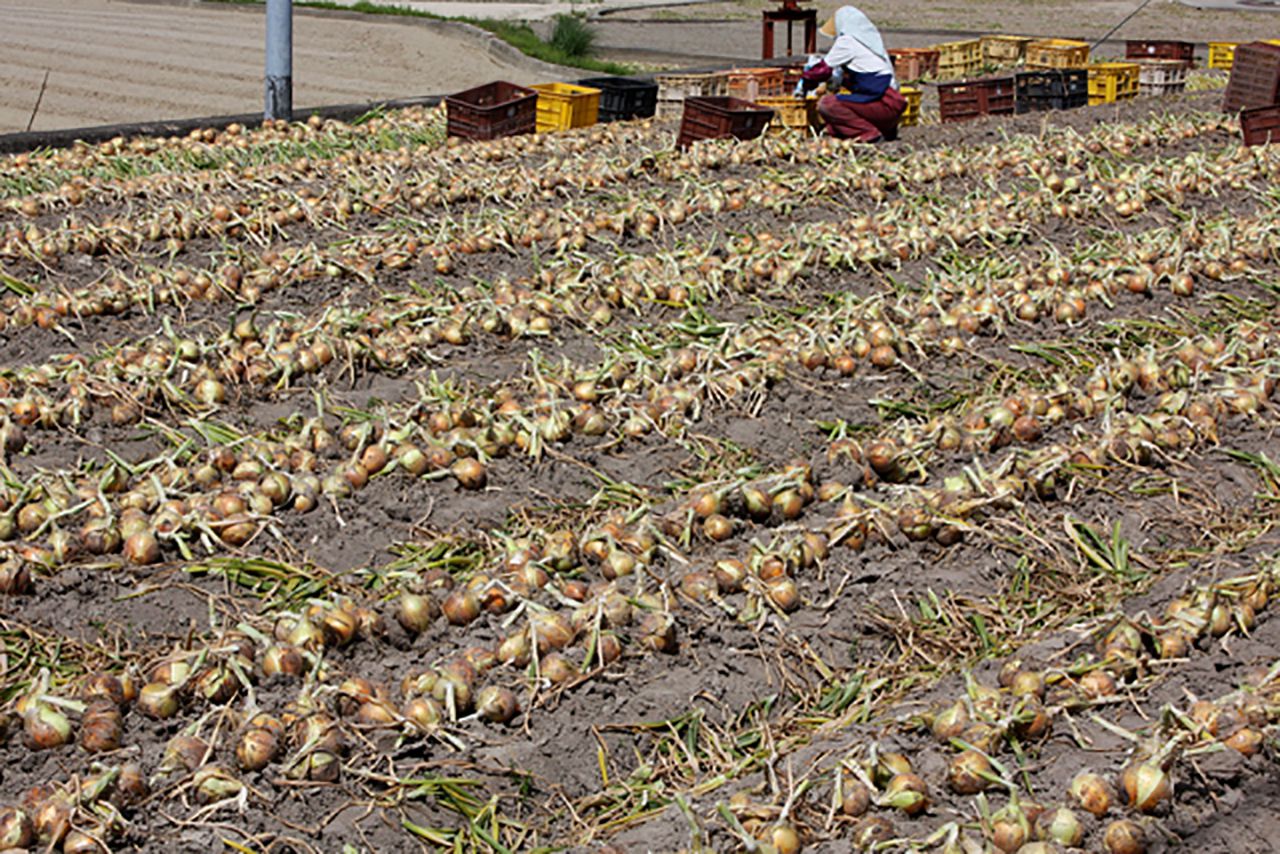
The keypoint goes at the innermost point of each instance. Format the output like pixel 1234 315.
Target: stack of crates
pixel 1112 81
pixel 1162 76
pixel 563 106
pixel 673 89
pixel 1004 50
pixel 911 115
pixel 957 60
pixel 1255 77
pixel 1057 53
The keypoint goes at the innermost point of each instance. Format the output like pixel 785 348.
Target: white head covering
pixel 852 22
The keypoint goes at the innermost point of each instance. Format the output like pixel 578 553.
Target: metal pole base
pixel 279 103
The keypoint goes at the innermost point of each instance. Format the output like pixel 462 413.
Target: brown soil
pixel 760 705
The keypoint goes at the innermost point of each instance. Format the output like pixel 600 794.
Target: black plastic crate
pixel 970 99
pixel 624 98
pixel 490 111
pixel 1050 89
pixel 1255 77
pixel 718 118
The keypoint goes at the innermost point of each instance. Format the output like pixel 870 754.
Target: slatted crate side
pixel 720 117
pixel 752 83
pixel 1004 50
pixel 970 99
pixel 1159 49
pixel 791 113
pixel 1051 89
pixel 1161 77
pixel 911 64
pixel 1057 53
pixel 911 115
pixel 1255 77
pixel 623 98
pixel 1260 125
pixel 958 59
pixel 1221 54
pixel 1112 81
pixel 491 111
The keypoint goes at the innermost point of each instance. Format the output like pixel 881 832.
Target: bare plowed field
pixel 132 62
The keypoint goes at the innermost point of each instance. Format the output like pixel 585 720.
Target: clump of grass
pixel 572 36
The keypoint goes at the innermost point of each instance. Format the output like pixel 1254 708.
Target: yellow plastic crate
pixel 1004 50
pixel 1057 53
pixel 791 113
pixel 911 115
pixel 957 60
pixel 1222 54
pixel 1113 81
pixel 562 106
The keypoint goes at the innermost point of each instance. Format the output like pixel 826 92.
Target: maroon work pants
pixel 864 122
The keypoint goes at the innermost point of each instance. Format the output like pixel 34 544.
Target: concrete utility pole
pixel 279 60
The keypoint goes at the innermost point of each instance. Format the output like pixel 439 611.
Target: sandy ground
pixel 123 62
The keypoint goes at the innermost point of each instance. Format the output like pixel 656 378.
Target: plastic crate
pixel 791 113
pixel 1147 49
pixel 752 83
pixel 673 89
pixel 1221 54
pixel 490 111
pixel 1112 81
pixel 1260 125
pixel 1057 53
pixel 623 98
pixel 1161 77
pixel 1051 89
pixel 914 63
pixel 562 106
pixel 959 59
pixel 969 99
pixel 1004 50
pixel 721 117
pixel 911 115
pixel 1255 77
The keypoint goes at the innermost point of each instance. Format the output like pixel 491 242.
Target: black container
pixel 1051 89
pixel 490 111
pixel 624 98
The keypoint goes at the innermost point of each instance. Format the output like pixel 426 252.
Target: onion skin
pixel 16 829
pixel 1092 793
pixel 965 775
pixel 1145 786
pixel 1124 837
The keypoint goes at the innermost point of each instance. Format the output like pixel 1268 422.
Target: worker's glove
pixel 812 61
pixel 799 93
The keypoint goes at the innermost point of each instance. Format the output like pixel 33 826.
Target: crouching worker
pixel 862 100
